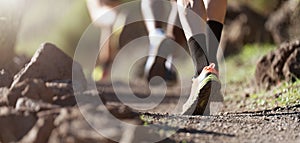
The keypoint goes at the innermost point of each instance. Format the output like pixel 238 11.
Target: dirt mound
pixel 280 64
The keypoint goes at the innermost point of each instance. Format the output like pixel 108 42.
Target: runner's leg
pixel 216 10
pixel 193 17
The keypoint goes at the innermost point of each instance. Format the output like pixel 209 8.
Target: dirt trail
pixel 264 126
pixel 276 125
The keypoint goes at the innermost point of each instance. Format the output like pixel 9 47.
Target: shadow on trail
pixel 194 131
pixel 277 111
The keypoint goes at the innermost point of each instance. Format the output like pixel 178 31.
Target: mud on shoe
pixel 204 86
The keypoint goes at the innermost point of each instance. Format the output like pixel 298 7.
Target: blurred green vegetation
pixel 64 33
pixel 264 7
pixel 241 67
pixel 70 29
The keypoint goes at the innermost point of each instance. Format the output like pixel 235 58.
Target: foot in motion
pixel 159 61
pixel 161 67
pixel 204 87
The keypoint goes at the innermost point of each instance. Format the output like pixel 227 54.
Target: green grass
pixel 287 94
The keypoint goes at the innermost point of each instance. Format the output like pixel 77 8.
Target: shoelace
pixel 211 69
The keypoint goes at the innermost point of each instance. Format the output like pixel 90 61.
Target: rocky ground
pixel 39 105
pixel 275 125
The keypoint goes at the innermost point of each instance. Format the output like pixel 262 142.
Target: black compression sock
pixel 197 46
pixel 214 35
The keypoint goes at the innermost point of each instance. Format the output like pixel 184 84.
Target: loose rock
pixel 63 93
pixel 26 104
pixel 41 131
pixel 49 63
pixel 14 125
pixel 89 120
pixel 3 96
pixel 72 127
pixel 31 88
pixel 5 78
